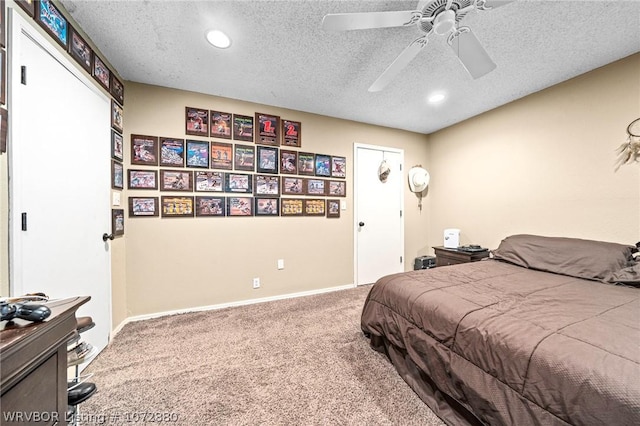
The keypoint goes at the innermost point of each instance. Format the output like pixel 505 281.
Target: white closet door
pixel 59 179
pixel 379 227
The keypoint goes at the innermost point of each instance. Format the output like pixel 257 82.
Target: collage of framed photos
pixel 266 178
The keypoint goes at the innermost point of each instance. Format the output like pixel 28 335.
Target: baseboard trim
pixel 117 329
pixel 226 305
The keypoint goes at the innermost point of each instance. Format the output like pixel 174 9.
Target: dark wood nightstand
pixel 451 256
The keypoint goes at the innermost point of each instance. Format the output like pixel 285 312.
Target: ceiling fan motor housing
pixel 440 22
pixel 444 22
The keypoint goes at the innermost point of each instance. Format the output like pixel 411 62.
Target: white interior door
pixel 379 222
pixel 60 179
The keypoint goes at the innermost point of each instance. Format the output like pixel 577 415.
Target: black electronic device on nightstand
pixel 472 248
pixel 424 262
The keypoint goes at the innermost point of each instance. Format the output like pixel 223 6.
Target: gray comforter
pixel 511 345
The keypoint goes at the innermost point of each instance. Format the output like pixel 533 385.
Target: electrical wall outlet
pixel 256 283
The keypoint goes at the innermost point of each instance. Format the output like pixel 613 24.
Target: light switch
pixel 115 199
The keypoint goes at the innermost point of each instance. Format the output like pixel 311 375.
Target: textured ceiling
pixel 281 56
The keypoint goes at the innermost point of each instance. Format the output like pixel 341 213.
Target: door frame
pixel 356 146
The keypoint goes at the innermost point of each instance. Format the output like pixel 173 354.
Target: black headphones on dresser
pixel 29 311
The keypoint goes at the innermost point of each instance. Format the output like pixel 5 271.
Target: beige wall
pixel 118 282
pixel 181 263
pixel 543 164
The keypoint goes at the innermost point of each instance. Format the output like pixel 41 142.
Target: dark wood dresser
pixel 451 256
pixel 33 357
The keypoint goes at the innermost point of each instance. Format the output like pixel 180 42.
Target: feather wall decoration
pixel 629 152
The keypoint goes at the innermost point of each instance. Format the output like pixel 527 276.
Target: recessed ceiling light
pixel 436 97
pixel 218 39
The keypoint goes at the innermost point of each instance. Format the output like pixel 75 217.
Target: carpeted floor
pixel 301 361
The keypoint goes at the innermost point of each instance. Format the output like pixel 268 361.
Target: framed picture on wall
pixel 306 163
pixel 221 155
pixel 238 182
pixel 242 128
pixel 143 179
pixel 176 180
pixel 117 175
pixel 171 152
pixel 266 206
pixel 220 124
pixel 28 6
pixel 211 206
pixel 244 157
pixel 177 206
pixel 3 24
pixel 239 206
pixel 117 146
pixel 80 51
pixel 117 89
pixel 291 207
pixel 116 116
pixel 197 154
pixel 333 208
pixel 267 159
pixel 292 186
pixel 288 162
pixel 144 150
pixel 4 121
pixel 209 181
pixel 314 187
pixel 101 73
pixel 337 188
pixel 314 207
pixel 117 222
pixel 267 129
pixel 3 77
pixel 143 206
pixel 196 121
pixel 338 167
pixel 323 165
pixel 291 133
pixel 267 185
pixel 53 22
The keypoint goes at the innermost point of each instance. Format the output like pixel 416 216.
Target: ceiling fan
pixel 432 16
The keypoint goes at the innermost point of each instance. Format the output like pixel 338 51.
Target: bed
pixel 545 332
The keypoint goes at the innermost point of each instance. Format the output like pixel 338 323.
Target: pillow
pixel 591 260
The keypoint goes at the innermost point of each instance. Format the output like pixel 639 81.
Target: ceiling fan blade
pixel 492 4
pixel 398 65
pixel 366 20
pixel 471 53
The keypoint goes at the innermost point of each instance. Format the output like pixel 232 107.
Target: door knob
pixel 361 224
pixel 106 237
